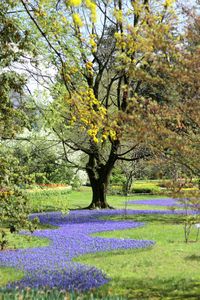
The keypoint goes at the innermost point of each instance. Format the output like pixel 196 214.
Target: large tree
pixel 189 90
pixel 113 62
pixel 179 134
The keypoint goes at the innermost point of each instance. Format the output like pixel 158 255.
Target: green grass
pixel 44 200
pixel 48 199
pixel 9 275
pixel 53 294
pixel 82 198
pixel 168 270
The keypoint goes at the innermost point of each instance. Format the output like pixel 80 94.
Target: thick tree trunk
pixel 99 192
pixel 99 171
pixel 99 178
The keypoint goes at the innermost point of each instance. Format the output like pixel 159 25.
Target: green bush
pixel 14 212
pixel 115 190
pixel 142 191
pixel 76 183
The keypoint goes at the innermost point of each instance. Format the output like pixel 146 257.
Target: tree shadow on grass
pixel 159 289
pixel 153 218
pixel 193 257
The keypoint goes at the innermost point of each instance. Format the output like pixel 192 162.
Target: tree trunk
pixel 99 192
pixel 99 175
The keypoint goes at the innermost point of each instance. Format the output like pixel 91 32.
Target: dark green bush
pixel 142 191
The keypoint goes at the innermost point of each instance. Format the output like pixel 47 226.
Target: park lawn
pixel 167 270
pixel 21 241
pixel 9 275
pixel 51 200
pixel 42 200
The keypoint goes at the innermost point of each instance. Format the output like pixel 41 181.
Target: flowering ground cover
pixel 53 266
pixel 156 202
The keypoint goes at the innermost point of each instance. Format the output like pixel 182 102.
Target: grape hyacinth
pixel 157 202
pixel 53 266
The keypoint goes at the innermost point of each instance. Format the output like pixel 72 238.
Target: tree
pixel 114 61
pixel 181 124
pixel 42 155
pixel 189 90
pixel 125 172
pixel 13 44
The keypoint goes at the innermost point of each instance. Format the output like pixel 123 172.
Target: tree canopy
pixel 114 93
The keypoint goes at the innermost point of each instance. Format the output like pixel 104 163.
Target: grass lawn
pixel 16 241
pixel 168 270
pixel 9 275
pixel 51 200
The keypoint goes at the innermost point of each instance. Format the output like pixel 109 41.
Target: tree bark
pixel 99 192
pixel 99 175
pixel 99 182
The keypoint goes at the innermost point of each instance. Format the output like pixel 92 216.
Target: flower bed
pixel 156 202
pixel 52 266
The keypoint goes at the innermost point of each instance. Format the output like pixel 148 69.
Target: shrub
pixel 76 183
pixel 115 190
pixel 142 191
pixel 14 211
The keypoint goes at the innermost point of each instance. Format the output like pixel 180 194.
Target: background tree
pixel 181 123
pixel 42 155
pixel 189 89
pixel 125 172
pixel 14 43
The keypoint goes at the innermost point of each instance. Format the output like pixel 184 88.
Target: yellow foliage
pixel 77 20
pixel 112 134
pixel 118 15
pixel 73 120
pixel 95 139
pixel 169 3
pixel 89 113
pixel 92 7
pixel 89 65
pixel 93 43
pixel 74 2
pixel 64 19
pixel 93 133
pixel 43 2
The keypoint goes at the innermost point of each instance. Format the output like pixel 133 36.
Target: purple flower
pixel 53 266
pixel 157 202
